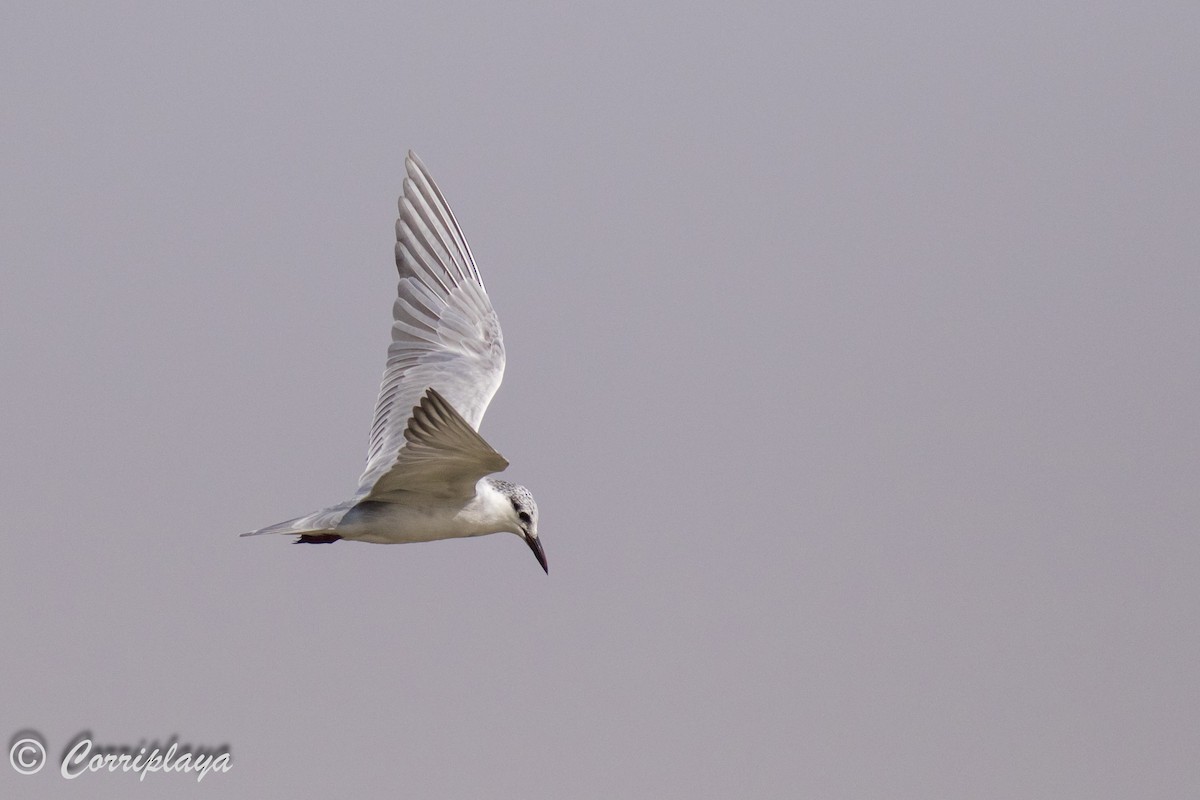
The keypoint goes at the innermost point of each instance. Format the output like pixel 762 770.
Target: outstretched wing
pixel 445 334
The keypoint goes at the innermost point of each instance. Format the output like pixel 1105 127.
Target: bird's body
pixel 425 477
pixel 427 520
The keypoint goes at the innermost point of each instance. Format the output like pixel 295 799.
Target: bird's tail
pixel 314 528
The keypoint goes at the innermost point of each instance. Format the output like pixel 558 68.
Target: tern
pixel 427 466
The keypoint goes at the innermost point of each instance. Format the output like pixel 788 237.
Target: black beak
pixel 536 546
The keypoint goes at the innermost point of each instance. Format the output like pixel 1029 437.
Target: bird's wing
pixel 445 334
pixel 443 455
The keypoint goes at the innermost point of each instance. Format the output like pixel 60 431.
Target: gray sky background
pixel 852 361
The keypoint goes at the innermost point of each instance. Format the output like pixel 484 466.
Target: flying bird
pixel 427 465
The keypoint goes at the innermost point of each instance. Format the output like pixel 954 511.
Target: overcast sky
pixel 852 360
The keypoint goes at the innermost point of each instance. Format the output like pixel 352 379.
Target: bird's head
pixel 523 519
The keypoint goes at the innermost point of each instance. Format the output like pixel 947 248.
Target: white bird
pixel 426 465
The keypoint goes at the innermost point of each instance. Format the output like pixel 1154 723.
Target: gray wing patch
pixel 443 455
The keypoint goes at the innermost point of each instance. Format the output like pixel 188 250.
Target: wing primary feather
pixel 435 194
pixel 433 229
pixel 423 245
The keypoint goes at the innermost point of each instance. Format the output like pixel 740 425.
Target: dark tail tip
pixel 317 538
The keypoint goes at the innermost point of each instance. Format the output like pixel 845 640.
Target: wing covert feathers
pixel 443 454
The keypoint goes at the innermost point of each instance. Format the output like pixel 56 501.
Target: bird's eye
pixel 523 517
